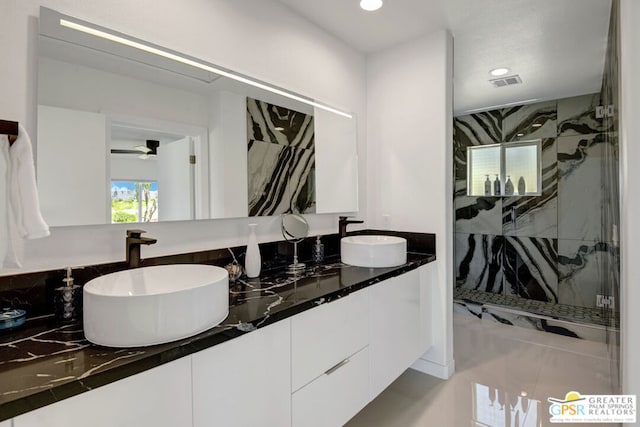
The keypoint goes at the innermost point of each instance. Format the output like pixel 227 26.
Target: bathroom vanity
pixel 307 350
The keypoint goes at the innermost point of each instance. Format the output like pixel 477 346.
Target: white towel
pixel 23 191
pixel 24 219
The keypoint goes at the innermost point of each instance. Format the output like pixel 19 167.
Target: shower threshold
pixel 579 322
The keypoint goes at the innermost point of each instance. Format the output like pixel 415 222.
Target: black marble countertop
pixel 43 363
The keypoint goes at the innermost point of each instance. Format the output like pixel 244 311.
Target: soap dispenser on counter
pixel 68 300
pixel 317 251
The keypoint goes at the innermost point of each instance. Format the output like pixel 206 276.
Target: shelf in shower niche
pixel 507 169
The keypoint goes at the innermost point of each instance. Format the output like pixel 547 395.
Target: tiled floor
pixel 504 376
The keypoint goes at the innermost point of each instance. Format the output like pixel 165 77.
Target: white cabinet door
pixel 395 338
pixel 336 396
pixel 159 397
pixel 326 335
pixel 427 279
pixel 246 381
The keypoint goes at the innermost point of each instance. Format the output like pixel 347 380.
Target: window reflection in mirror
pixel 133 201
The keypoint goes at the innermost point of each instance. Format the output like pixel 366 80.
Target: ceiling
pixel 557 47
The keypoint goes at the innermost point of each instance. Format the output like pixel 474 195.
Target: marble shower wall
pixel 478 260
pixel 280 160
pixel 475 214
pixel 554 250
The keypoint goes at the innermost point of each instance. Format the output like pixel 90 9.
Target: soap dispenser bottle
pixel 317 251
pixel 522 186
pixel 487 186
pixel 508 188
pixel 68 300
pixel 496 186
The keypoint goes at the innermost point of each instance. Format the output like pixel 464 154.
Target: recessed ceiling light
pixel 520 134
pixel 536 125
pixel 279 128
pixel 371 5
pixel 499 71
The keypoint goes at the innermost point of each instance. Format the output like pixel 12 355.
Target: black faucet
pixel 134 240
pixel 342 225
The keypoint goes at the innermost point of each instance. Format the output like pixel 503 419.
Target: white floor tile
pixel 503 378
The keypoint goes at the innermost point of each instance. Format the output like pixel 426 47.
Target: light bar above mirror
pixel 125 40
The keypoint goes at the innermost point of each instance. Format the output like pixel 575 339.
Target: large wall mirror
pixel 133 132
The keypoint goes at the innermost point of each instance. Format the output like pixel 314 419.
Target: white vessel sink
pixel 373 251
pixel 154 305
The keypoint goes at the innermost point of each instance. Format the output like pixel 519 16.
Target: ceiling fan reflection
pixel 144 152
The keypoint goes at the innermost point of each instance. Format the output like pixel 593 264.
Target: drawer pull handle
pixel 336 367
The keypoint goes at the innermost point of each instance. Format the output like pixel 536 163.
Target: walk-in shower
pixel 549 260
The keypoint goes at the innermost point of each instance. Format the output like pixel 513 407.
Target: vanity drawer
pixel 326 335
pixel 336 396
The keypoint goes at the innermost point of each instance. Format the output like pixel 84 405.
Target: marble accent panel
pixel 478 261
pixel 301 182
pixel 279 125
pixel 478 215
pixel 473 129
pixel 532 121
pixel 535 216
pixel 281 179
pixel 583 268
pixel 577 115
pixel 580 186
pixel 531 268
pixel 280 159
pixel 267 178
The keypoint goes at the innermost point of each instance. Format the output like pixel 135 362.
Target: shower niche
pixel 506 169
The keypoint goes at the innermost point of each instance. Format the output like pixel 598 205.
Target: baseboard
pixel 434 369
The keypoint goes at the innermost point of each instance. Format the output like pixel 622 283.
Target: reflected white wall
pixel 65 199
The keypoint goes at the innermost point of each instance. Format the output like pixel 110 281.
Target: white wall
pixel 64 198
pixel 336 162
pixel 127 167
pixel 175 181
pixel 106 92
pixel 630 198
pixel 227 150
pixel 409 131
pixel 261 38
